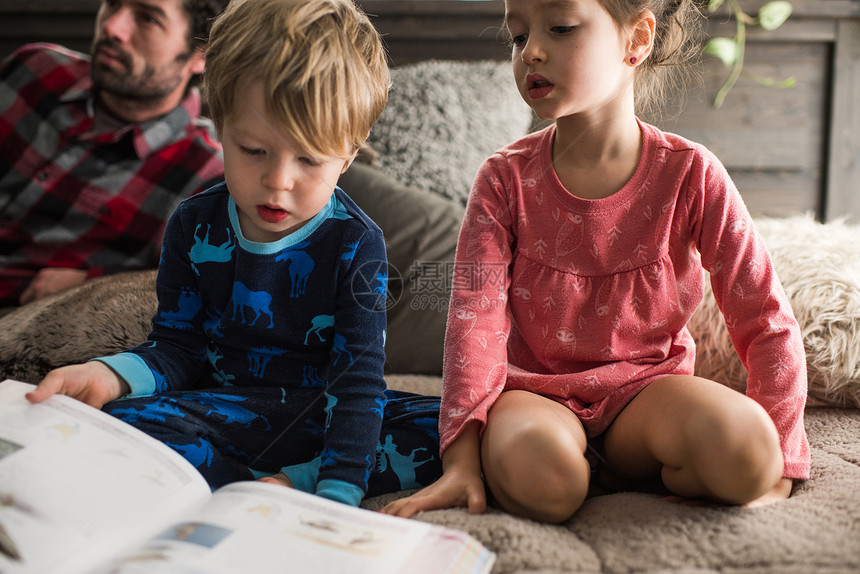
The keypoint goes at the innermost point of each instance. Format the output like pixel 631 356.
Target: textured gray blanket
pixel 817 530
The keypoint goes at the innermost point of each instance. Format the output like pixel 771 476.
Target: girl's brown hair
pixel 677 43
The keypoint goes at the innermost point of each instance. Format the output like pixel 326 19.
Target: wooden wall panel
pixel 842 196
pixel 772 141
pixel 65 22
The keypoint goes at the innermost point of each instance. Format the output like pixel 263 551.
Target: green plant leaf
pixel 725 49
pixel 774 14
pixel 789 82
pixel 714 5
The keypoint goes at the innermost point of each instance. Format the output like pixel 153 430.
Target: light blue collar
pixel 283 243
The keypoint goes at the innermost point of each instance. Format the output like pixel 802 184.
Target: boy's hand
pixel 92 383
pixel 279 479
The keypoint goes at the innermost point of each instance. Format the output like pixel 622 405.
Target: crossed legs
pixel 702 438
pixel 533 457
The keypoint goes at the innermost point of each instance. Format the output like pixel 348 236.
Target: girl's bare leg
pixel 702 438
pixel 532 454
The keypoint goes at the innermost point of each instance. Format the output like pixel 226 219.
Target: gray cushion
pixel 443 119
pixel 420 237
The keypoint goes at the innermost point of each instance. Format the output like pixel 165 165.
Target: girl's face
pixel 569 56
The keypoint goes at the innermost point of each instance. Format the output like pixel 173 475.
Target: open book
pixel 82 492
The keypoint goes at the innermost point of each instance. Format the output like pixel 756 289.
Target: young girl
pixel 578 352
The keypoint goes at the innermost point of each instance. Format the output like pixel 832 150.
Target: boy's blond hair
pixel 321 62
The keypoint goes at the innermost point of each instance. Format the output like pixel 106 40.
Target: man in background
pixel 96 152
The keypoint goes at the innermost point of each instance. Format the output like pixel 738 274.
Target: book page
pixel 77 484
pixel 257 527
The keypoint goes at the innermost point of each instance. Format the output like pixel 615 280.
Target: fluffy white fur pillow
pixel 819 267
pixel 443 119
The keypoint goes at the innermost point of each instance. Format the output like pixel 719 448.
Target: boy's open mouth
pixel 272 214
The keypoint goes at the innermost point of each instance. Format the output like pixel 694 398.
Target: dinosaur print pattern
pixel 226 409
pixel 188 305
pixel 214 355
pixel 259 357
pixel 200 453
pixel 300 266
pixel 340 351
pixel 403 465
pixel 311 377
pixel 318 324
pixel 256 302
pixel 203 252
pixel 261 354
pixel 349 254
pixel 159 411
pixel 195 424
pixel 330 404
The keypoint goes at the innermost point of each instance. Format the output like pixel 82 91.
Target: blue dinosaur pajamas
pixel 231 434
pixel 269 356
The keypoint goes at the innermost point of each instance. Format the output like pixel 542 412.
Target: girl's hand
pixel 454 488
pixel 93 383
pixel 279 479
pixel 460 485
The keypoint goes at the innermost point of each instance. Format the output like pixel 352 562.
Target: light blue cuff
pixel 258 474
pixel 133 370
pixel 304 476
pixel 340 491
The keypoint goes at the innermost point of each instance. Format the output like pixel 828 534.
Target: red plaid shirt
pixel 70 198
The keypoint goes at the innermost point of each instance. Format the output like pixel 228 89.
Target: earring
pixel 632 60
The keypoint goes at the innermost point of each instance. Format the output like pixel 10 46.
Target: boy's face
pixel 277 186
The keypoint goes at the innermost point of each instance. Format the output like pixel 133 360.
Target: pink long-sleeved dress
pixel 587 301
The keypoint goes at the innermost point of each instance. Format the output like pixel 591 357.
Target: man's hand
pixel 51 280
pixel 92 383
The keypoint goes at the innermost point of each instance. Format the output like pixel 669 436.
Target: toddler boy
pixel 266 353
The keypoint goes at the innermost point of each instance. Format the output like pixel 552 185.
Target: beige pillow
pixel 819 267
